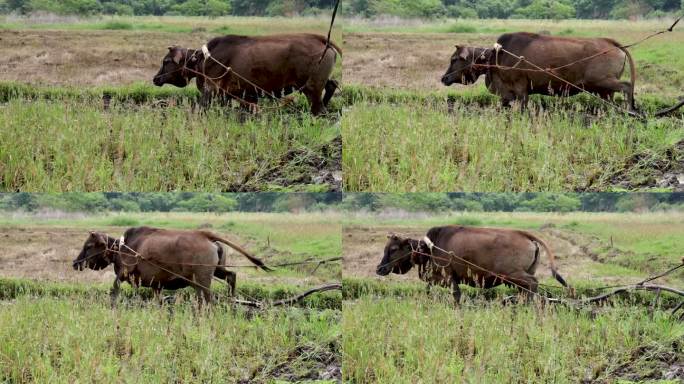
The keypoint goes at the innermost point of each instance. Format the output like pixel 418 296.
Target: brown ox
pixel 274 65
pixel 478 257
pixel 161 259
pixel 592 64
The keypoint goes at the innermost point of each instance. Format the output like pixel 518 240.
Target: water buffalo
pixel 278 64
pixel 494 253
pixel 593 64
pixel 161 259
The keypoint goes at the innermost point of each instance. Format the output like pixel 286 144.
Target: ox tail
pixel 632 75
pixel 238 248
pixel 325 42
pixel 552 257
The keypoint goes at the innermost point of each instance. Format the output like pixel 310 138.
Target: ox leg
pixel 203 295
pixel 455 289
pixel 428 288
pixel 612 85
pixel 229 277
pixel 330 88
pixel 314 96
pixel 114 293
pixel 206 98
pixel 526 283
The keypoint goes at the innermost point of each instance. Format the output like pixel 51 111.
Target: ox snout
pixel 158 80
pixel 447 80
pixel 78 265
pixel 382 270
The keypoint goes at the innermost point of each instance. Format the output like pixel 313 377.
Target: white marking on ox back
pixel 429 242
pixel 205 50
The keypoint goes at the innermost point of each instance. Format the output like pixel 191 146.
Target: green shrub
pixel 122 221
pixel 117 25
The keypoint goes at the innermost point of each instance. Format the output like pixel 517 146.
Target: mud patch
pixel 650 170
pixel 304 363
pixel 652 362
pixel 321 166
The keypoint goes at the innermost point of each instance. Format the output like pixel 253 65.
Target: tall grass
pixel 419 340
pixel 78 340
pixel 418 147
pixel 64 145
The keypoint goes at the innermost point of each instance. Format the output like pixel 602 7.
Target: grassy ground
pixel 73 145
pixel 398 135
pixel 414 147
pixel 67 340
pixel 56 136
pixel 393 332
pixel 75 336
pixel 422 340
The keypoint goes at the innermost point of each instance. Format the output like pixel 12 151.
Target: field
pixel 394 332
pixel 57 325
pixel 51 99
pixel 401 136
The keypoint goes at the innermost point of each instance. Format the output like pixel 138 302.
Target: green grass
pixel 415 146
pixel 15 289
pixel 117 25
pixel 76 146
pixel 422 340
pixel 81 340
pixel 180 24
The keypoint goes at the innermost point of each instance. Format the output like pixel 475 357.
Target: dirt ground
pixel 576 258
pixel 80 58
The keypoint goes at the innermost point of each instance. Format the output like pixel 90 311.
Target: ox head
pixel 174 67
pixel 401 254
pixel 462 68
pixel 94 254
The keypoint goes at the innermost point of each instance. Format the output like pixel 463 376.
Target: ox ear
pixel 178 56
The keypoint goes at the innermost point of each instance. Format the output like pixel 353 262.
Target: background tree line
pixel 504 9
pixel 483 9
pixel 169 7
pixel 297 202
pixel 515 202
